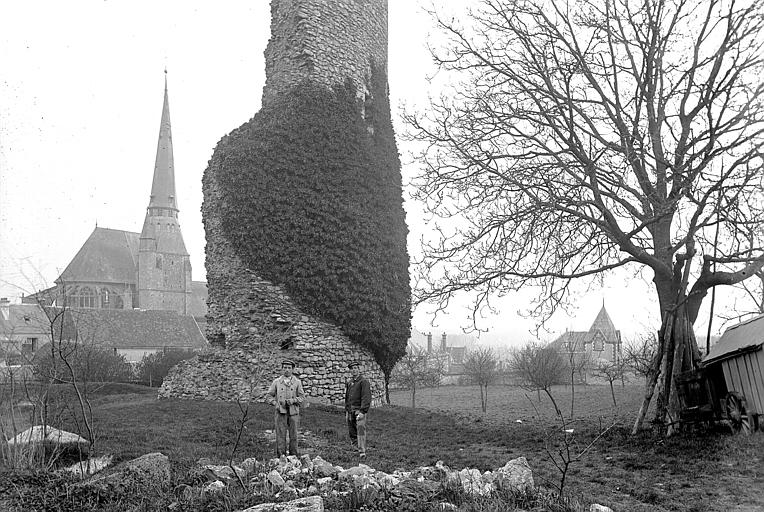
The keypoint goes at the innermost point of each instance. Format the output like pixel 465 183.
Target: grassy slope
pixel 701 471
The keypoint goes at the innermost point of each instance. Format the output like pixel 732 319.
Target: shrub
pixel 89 362
pixel 153 368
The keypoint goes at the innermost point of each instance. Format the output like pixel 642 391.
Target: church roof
pixel 133 328
pixel 163 185
pixel 107 256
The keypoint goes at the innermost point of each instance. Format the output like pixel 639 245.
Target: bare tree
pixel 639 355
pixel 482 367
pixel 417 368
pixel 584 136
pixel 579 361
pixel 539 368
pixel 610 371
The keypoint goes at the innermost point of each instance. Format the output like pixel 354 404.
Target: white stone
pixel 306 504
pixel 213 487
pixel 599 508
pixel 90 466
pixel 516 475
pixel 50 436
pixel 275 478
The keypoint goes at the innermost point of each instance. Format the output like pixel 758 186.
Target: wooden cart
pixel 729 385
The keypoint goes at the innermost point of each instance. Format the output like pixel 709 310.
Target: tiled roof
pixel 24 319
pixel 107 256
pixel 745 335
pixel 604 324
pixel 575 339
pixel 130 328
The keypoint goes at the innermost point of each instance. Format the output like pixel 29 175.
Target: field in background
pixel 508 403
pixel 703 471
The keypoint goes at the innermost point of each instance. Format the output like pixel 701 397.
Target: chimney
pixel 429 342
pixel 5 307
pixel 443 342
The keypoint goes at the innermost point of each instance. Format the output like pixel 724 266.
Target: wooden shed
pixel 738 355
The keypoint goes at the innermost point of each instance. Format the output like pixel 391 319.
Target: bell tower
pixel 164 268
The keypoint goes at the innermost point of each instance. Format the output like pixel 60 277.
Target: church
pixel 124 270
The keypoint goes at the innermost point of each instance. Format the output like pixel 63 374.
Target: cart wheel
pixel 737 413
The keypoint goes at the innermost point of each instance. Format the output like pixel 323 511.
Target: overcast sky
pixel 81 94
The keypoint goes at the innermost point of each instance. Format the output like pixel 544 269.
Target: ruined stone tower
pixel 325 59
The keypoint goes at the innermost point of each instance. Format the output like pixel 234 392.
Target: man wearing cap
pixel 287 394
pixel 357 402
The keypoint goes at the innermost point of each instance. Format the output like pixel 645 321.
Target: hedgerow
pixel 313 201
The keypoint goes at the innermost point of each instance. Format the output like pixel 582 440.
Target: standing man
pixel 287 394
pixel 357 402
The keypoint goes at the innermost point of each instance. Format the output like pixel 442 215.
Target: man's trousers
pixel 284 423
pixel 357 430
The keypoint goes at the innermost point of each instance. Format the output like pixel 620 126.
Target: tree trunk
pixel 612 393
pixel 413 396
pixel 572 392
pixel 677 353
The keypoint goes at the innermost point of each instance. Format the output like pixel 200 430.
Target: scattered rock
pixel 249 465
pixel 356 471
pixel 152 468
pixel 51 438
pixel 323 468
pixel 306 504
pixel 90 466
pixel 599 508
pixel 516 475
pixel 275 479
pixel 214 472
pixel 213 487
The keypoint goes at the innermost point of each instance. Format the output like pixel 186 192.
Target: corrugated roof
pixel 107 256
pixel 129 328
pixel 745 335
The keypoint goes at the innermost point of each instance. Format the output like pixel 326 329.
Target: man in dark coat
pixel 357 403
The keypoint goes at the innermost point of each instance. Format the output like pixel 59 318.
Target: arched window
pixel 86 298
pixel 105 299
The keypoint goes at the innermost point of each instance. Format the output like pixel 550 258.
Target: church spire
pixel 163 186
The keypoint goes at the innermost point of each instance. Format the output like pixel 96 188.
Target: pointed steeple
pixel 163 186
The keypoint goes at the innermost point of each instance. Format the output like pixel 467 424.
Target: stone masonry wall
pixel 327 41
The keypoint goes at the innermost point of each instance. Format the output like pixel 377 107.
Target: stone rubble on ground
pixel 326 479
pixel 307 504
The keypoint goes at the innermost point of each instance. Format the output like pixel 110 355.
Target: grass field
pixel 702 471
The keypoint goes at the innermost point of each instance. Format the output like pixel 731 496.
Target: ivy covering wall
pixel 313 202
